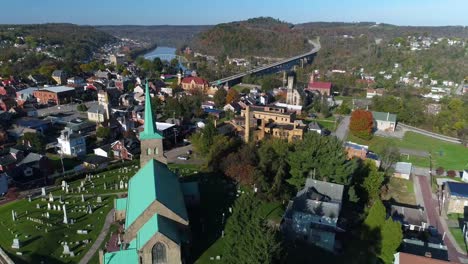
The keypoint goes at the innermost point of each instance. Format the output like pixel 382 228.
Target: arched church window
pixel 159 253
pixel 148 151
pixel 156 151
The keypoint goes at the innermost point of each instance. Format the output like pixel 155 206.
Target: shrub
pixel 451 173
pixel 440 171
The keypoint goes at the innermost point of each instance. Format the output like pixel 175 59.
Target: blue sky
pixel 198 12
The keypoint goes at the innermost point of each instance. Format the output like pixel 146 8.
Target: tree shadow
pixel 217 194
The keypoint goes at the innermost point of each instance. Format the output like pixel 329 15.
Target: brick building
pixel 56 95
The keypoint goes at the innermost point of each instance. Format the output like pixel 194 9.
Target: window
pixel 156 151
pixel 159 253
pixel 148 151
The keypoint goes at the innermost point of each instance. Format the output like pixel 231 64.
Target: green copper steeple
pixel 150 131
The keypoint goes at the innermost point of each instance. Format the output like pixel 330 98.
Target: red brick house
pixel 193 82
pixel 7 103
pixel 324 88
pixel 57 95
pixel 7 91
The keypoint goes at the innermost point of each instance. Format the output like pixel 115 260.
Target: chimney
pixel 247 125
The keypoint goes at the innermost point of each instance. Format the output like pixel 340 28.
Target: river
pixel 165 53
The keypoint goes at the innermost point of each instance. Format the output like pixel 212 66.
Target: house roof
pixel 29 90
pixel 408 215
pixel 7 159
pixel 333 190
pixel 154 182
pixel 381 116
pixel 403 167
pixel 320 85
pixel 314 126
pixel 458 189
pixel 123 256
pixel 96 160
pixel 355 146
pixel 197 80
pixel 57 73
pixel 30 158
pixel 120 204
pixel 57 89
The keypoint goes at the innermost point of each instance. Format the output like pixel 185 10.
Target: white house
pixel 384 121
pixel 71 144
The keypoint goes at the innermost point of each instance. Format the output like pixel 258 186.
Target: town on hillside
pixel 256 141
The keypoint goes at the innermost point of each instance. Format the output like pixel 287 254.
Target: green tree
pixel 34 141
pixel 248 239
pixel 103 132
pixel 319 157
pixel 82 108
pixel 203 140
pixel 385 234
pixel 373 182
pixel 343 109
pixel 219 97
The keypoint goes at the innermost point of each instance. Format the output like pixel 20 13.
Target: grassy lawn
pixel 68 162
pixel 239 88
pixel 458 235
pixel 112 230
pixel 330 125
pixel 38 245
pixel 444 154
pixel 401 191
pixel 184 169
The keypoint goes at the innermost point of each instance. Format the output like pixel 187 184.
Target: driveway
pixel 342 130
pixel 432 210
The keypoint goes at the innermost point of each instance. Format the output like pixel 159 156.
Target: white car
pixel 183 157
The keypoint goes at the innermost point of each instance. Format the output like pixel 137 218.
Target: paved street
pixel 342 130
pixel 432 211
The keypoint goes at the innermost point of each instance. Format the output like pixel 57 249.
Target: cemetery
pixel 60 224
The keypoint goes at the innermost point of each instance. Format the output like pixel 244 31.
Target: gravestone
pixel 47 215
pixel 55 207
pixel 60 199
pixel 43 192
pixel 105 186
pixel 64 184
pixel 82 198
pixel 121 184
pixel 89 209
pixel 51 197
pixel 66 188
pixel 126 185
pixel 38 206
pixel 66 249
pixel 29 198
pixel 48 206
pixel 16 243
pixel 13 215
pixel 99 199
pixel 65 219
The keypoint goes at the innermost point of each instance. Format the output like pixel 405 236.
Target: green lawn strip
pixel 113 229
pixel 401 191
pixel 239 88
pixel 216 249
pixel 444 154
pixel 458 236
pixel 330 125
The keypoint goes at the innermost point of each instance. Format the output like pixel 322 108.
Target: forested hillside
pixel 253 37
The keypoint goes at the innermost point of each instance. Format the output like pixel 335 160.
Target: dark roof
pixel 7 160
pixel 96 160
pixel 314 126
pixel 31 158
pixel 458 189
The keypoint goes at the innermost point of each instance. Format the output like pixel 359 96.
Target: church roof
pixel 157 223
pixel 123 256
pixel 154 182
pixel 120 204
pixel 150 131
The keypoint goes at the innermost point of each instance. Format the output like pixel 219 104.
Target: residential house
pixel 3 184
pixel 117 59
pixel 194 83
pixel 7 91
pixel 464 176
pixel 384 121
pixel 410 218
pixel 7 162
pixel 33 165
pixel 95 162
pixel 7 103
pixel 103 151
pixel 37 79
pixel 76 81
pixel 355 150
pixel 314 127
pixel 403 170
pixel 59 76
pixel 36 124
pixel 71 144
pixel 455 197
pixel 324 88
pixel 374 92
pixel 55 95
pixel 233 107
pixel 312 216
pixel 26 95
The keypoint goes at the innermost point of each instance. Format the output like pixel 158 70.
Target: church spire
pixel 150 131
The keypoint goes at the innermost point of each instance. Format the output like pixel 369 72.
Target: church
pixel 156 221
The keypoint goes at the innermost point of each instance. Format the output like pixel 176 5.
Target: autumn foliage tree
pixel 232 96
pixel 361 124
